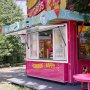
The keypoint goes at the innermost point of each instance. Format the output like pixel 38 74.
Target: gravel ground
pixel 10 72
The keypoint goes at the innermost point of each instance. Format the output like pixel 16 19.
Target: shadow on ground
pixel 17 76
pixel 10 73
pixel 40 84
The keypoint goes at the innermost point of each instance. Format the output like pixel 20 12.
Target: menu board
pixel 84 46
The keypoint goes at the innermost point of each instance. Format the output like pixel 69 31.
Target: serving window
pixel 46 44
pixel 50 44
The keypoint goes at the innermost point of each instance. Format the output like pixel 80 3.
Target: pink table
pixel 83 78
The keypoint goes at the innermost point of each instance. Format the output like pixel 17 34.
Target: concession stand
pixel 53 41
pixel 56 48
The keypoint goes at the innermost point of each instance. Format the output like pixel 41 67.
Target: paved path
pixel 10 72
pixel 39 84
pixel 17 75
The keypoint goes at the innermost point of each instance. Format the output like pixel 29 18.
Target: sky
pixel 22 4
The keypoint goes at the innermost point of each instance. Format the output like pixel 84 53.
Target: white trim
pixel 57 61
pixel 67 42
pixel 38 45
pixel 53 44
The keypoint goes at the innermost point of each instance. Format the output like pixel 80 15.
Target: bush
pixel 11 49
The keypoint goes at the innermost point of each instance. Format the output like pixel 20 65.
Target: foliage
pixel 9 12
pixel 82 6
pixel 87 35
pixel 11 49
pixel 5 46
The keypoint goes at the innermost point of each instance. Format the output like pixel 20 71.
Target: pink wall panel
pixel 75 65
pixel 72 50
pixel 47 70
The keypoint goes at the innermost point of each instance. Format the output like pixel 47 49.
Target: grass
pixel 9 86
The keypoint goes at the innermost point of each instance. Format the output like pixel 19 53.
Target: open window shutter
pixel 60 43
pixel 34 45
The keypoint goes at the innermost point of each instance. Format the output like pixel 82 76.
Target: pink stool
pixel 83 78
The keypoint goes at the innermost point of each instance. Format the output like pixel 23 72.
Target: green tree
pixel 87 36
pixel 5 46
pixel 9 12
pixel 82 6
pixel 11 49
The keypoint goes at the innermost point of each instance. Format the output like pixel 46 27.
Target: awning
pixel 20 32
pixel 43 28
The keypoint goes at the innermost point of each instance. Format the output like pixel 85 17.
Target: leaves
pixel 9 12
pixel 82 6
pixel 87 35
pixel 10 45
pixel 4 46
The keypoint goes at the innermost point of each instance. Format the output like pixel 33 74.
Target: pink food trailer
pixel 63 60
pixel 56 48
